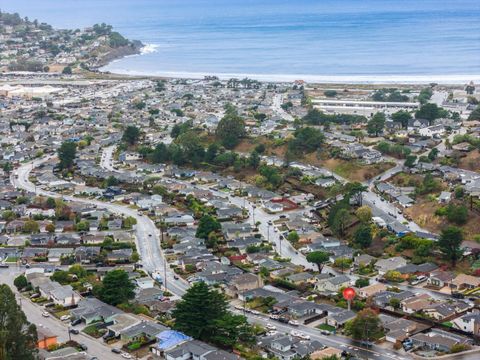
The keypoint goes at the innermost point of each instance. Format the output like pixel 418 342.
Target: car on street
pixel 45 314
pixel 74 331
pixel 294 322
pixel 116 351
pixel 126 355
pixel 270 326
pixel 83 347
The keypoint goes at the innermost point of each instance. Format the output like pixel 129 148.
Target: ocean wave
pixel 341 79
pixel 148 49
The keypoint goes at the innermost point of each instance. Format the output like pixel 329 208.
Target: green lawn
pixel 326 327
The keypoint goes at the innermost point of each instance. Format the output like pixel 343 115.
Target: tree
pixel 475 114
pixel 425 95
pixel 202 313
pixel 207 225
pixel 376 124
pixel 318 258
pixel 50 228
pixel 293 237
pixel 50 203
pixel 230 129
pixel 363 236
pixel 449 243
pixel 432 155
pixel 18 338
pixel 254 159
pixel 430 112
pixel 364 214
pixel 83 225
pixel 402 117
pixel 77 270
pixel 362 282
pixel 330 93
pixel 116 288
pixel 61 277
pixel 31 227
pixel 230 328
pixel 66 154
pixel 128 222
pixel 67 70
pixel 7 167
pixel 131 135
pixel 365 326
pixel 340 221
pixel 410 161
pixel 307 140
pixel 394 302
pixel 111 181
pixel 20 282
pixel 457 214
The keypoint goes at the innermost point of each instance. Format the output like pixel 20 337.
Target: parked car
pixel 83 347
pixel 45 314
pixel 74 331
pixel 116 351
pixel 75 322
pixel 294 322
pixel 126 355
pixel 65 317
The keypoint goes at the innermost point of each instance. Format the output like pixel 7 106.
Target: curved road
pixel 147 234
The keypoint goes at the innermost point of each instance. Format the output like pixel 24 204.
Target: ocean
pixel 342 40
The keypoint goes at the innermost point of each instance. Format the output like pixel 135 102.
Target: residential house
pixel 384 265
pixel 333 284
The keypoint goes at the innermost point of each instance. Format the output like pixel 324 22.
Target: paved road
pixel 147 235
pixel 34 315
pixel 336 341
pixel 277 102
pixel 106 161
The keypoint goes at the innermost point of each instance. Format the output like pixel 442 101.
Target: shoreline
pixel 450 79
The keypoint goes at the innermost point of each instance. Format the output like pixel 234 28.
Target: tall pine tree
pixel 18 338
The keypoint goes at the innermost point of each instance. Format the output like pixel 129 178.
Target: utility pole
pixel 253 214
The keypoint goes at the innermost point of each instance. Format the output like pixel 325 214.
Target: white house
pixel 431 131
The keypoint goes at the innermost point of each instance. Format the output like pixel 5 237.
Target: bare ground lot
pixel 471 161
pixel 423 213
pixel 350 169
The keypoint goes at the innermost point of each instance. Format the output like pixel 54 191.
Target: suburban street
pixel 147 234
pixel 277 108
pixel 95 347
pixel 153 260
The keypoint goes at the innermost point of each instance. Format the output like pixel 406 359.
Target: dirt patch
pixel 403 179
pixel 471 161
pixel 423 213
pixel 55 68
pixel 353 170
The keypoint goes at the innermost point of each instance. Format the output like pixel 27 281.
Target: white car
pixel 65 317
pixel 126 355
pixel 272 333
pixel 294 322
pixel 295 333
pixel 45 314
pixel 304 336
pixel 270 326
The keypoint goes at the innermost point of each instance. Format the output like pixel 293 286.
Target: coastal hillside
pixel 27 45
